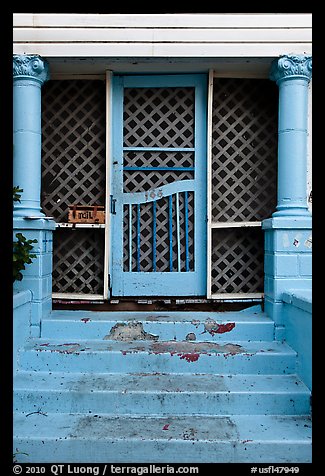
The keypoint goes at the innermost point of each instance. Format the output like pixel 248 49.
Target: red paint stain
pixel 85 319
pixel 222 328
pixel 190 357
pixel 166 427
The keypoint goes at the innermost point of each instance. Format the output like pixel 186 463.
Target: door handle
pixel 112 205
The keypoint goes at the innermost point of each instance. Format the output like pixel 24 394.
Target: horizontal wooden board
pixel 214 20
pixel 157 35
pixel 161 49
pixel 236 296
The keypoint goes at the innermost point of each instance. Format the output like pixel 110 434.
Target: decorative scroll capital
pixel 291 67
pixel 31 66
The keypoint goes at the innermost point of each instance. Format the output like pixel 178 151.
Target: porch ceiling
pixel 234 67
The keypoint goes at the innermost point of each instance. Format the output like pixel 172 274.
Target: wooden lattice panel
pixel 244 149
pixel 78 261
pixel 73 145
pixel 73 172
pixel 143 181
pixel 158 117
pixel 237 260
pixel 159 159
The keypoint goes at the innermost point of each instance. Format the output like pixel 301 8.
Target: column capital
pixel 30 67
pixel 291 67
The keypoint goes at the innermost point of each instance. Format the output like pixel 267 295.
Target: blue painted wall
pixel 297 313
pixel 22 316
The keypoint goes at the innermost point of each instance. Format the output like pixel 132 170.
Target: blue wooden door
pixel 158 218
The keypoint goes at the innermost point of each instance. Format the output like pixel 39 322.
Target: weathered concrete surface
pixel 210 439
pixel 191 351
pixel 212 326
pixel 163 356
pixel 174 387
pixel 160 393
pixel 129 331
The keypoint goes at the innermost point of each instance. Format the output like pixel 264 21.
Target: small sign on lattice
pixel 86 214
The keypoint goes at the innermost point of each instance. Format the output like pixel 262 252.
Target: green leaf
pixel 22 255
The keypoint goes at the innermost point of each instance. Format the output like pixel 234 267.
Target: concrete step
pixel 111 356
pixel 101 438
pixel 203 326
pixel 160 394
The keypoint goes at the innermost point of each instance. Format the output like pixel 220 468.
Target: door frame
pixel 117 83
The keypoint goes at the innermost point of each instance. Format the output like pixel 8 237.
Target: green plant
pixel 22 247
pixel 16 193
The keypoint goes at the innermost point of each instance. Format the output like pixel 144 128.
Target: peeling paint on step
pixel 196 323
pixel 202 347
pixel 191 351
pixel 66 348
pixel 128 332
pixel 211 326
pixel 189 357
pixel 190 336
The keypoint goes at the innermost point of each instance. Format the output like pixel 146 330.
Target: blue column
pixel 29 74
pixel 288 238
pixel 292 74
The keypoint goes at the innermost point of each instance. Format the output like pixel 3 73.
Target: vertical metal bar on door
pixel 178 234
pixel 154 235
pixel 186 230
pixel 170 222
pixel 138 237
pixel 130 237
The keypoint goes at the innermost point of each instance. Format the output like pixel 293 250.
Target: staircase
pixel 161 387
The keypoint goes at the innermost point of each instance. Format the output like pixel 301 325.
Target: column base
pixel 287 260
pixel 288 221
pixel 21 211
pixel 33 222
pixel 291 212
pixel 37 276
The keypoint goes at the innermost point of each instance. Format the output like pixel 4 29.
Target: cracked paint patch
pixel 66 348
pixel 190 336
pixel 191 351
pixel 129 331
pixel 211 326
pixel 308 242
pixel 196 322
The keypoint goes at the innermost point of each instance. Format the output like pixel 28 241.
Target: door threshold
pixel 158 304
